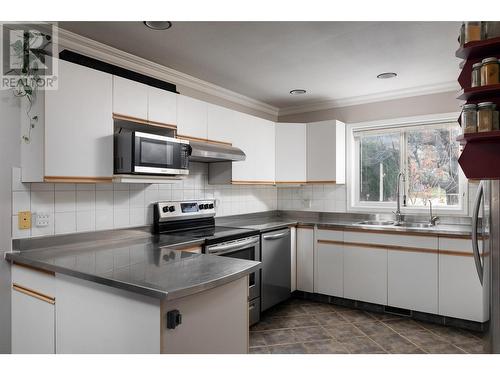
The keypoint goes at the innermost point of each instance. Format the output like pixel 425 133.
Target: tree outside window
pixel 428 156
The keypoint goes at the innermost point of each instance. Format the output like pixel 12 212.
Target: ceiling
pixel 265 60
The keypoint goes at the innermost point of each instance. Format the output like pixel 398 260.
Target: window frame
pixel 384 126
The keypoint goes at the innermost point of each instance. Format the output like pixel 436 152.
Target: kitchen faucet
pixel 432 219
pixel 398 214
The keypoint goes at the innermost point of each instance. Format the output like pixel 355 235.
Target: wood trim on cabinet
pixel 118 116
pixel 206 140
pixel 392 247
pixel 321 182
pixel 400 248
pixel 250 182
pixel 78 180
pixel 34 293
pixel 385 231
pixel 32 268
pixel 290 182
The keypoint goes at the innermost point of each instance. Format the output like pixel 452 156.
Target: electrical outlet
pixel 24 219
pixel 42 219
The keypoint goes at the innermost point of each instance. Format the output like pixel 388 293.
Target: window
pixel 427 155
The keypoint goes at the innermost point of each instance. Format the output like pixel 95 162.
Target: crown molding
pixel 372 98
pixel 101 51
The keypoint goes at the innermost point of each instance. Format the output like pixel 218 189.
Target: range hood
pixel 214 152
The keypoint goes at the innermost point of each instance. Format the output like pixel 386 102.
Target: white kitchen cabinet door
pixel 365 274
pixel 256 137
pixel 305 259
pixel 191 117
pixel 329 263
pixel 79 123
pixel 162 106
pixel 291 155
pixel 326 152
pixel 130 98
pixel 461 294
pixel 264 151
pixel 221 123
pixel 33 311
pixel 33 325
pixel 413 280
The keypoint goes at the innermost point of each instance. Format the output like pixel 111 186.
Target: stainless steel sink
pixel 380 223
pixel 415 225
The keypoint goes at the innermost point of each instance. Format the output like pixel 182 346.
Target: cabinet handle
pixel 33 293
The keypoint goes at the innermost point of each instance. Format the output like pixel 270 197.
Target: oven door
pixel 248 248
pixel 157 154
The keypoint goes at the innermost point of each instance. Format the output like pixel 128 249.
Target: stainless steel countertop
pixel 137 262
pixel 450 226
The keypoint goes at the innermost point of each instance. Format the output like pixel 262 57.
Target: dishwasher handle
pixel 276 236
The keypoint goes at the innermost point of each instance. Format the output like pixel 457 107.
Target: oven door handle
pixel 224 249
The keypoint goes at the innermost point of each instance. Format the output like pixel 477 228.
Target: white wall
pixel 10 150
pixel 443 102
pixel 91 207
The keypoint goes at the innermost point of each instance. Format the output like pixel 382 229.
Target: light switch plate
pixel 24 219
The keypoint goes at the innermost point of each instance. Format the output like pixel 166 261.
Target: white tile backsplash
pixel 320 197
pixel 90 207
pixel 65 201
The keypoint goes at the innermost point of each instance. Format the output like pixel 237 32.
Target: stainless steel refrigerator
pixel 487 254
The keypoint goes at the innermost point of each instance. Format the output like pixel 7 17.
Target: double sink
pixel 389 223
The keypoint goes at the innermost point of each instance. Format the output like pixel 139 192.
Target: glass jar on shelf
pixel 472 31
pixel 489 71
pixel 469 118
pixel 476 75
pixel 491 29
pixel 486 116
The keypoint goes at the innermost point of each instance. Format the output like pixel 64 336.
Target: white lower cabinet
pixel 33 312
pixel 461 294
pixel 305 259
pixel 293 258
pixel 412 280
pixel 329 263
pixel 365 274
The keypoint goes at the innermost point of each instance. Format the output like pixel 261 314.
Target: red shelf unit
pixel 480 158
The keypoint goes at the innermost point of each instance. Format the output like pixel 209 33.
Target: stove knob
pixel 205 206
pixel 211 205
pixel 165 209
pixel 171 209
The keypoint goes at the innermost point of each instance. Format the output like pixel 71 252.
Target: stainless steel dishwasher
pixel 276 262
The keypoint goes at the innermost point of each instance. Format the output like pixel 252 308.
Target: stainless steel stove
pixel 196 219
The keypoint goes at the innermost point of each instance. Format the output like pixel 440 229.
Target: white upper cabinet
pixel 162 106
pixel 291 154
pixel 79 124
pixel 221 123
pixel 326 152
pixel 130 98
pixel 191 117
pixel 256 137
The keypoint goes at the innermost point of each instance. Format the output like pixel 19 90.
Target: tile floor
pixel 302 326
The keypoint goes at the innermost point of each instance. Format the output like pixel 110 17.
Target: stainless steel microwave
pixel 150 154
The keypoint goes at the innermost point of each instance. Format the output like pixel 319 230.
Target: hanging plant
pixel 29 79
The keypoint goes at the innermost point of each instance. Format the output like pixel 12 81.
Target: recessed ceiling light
pixel 297 92
pixel 386 75
pixel 158 25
